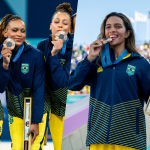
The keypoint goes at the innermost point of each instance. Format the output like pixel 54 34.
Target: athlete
pixel 57 70
pixel 120 83
pixel 22 74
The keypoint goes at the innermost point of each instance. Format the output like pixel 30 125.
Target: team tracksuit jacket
pixel 116 100
pixel 24 78
pixel 57 74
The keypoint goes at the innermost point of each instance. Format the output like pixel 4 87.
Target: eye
pixel 118 27
pixel 14 30
pixel 23 31
pixel 65 23
pixel 107 27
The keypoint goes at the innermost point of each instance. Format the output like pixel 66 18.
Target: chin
pixel 113 44
pixel 18 43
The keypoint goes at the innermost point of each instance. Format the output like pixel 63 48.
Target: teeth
pixel 113 36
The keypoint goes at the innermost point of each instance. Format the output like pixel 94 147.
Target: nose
pixel 19 33
pixel 60 25
pixel 112 29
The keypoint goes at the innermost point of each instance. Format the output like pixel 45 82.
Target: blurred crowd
pixel 144 50
pixel 80 52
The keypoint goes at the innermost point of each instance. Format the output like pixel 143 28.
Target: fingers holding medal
pixel 8 45
pixel 60 37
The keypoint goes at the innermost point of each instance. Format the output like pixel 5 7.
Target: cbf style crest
pixel 11 119
pixel 130 70
pixel 25 68
pixel 62 62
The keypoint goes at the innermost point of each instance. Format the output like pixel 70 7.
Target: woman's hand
pixel 58 44
pixel 95 48
pixel 34 128
pixel 6 54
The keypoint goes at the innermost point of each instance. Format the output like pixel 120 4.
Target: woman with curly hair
pixel 57 70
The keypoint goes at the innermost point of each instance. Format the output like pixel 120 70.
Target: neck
pixel 118 49
pixel 53 37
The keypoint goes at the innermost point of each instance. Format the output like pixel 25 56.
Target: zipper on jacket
pixel 112 91
pixel 22 89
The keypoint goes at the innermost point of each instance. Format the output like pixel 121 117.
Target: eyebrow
pixel 17 28
pixel 115 24
pixel 63 19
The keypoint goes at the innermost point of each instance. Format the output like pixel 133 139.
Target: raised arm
pixel 81 76
pixel 4 68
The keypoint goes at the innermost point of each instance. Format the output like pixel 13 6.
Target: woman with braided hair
pixel 57 69
pixel 22 74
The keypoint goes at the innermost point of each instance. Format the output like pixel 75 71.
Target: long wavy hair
pixel 129 42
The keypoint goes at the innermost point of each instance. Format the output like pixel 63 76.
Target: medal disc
pixel 9 43
pixel 106 40
pixel 61 35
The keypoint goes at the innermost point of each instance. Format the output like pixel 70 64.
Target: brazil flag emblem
pixel 130 70
pixel 62 62
pixel 11 119
pixel 25 68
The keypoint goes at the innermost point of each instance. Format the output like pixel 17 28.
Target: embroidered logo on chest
pixel 62 62
pixel 25 68
pixel 100 69
pixel 130 70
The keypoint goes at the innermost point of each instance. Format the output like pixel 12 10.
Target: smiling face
pixel 61 22
pixel 116 30
pixel 16 30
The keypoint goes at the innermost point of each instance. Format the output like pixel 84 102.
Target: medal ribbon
pixel 63 50
pixel 105 58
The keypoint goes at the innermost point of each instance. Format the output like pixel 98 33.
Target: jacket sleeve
pixel 4 77
pixel 59 73
pixel 81 76
pixel 145 83
pixel 38 89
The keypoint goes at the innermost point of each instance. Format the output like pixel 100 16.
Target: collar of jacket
pixel 133 55
pixel 69 43
pixel 128 56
